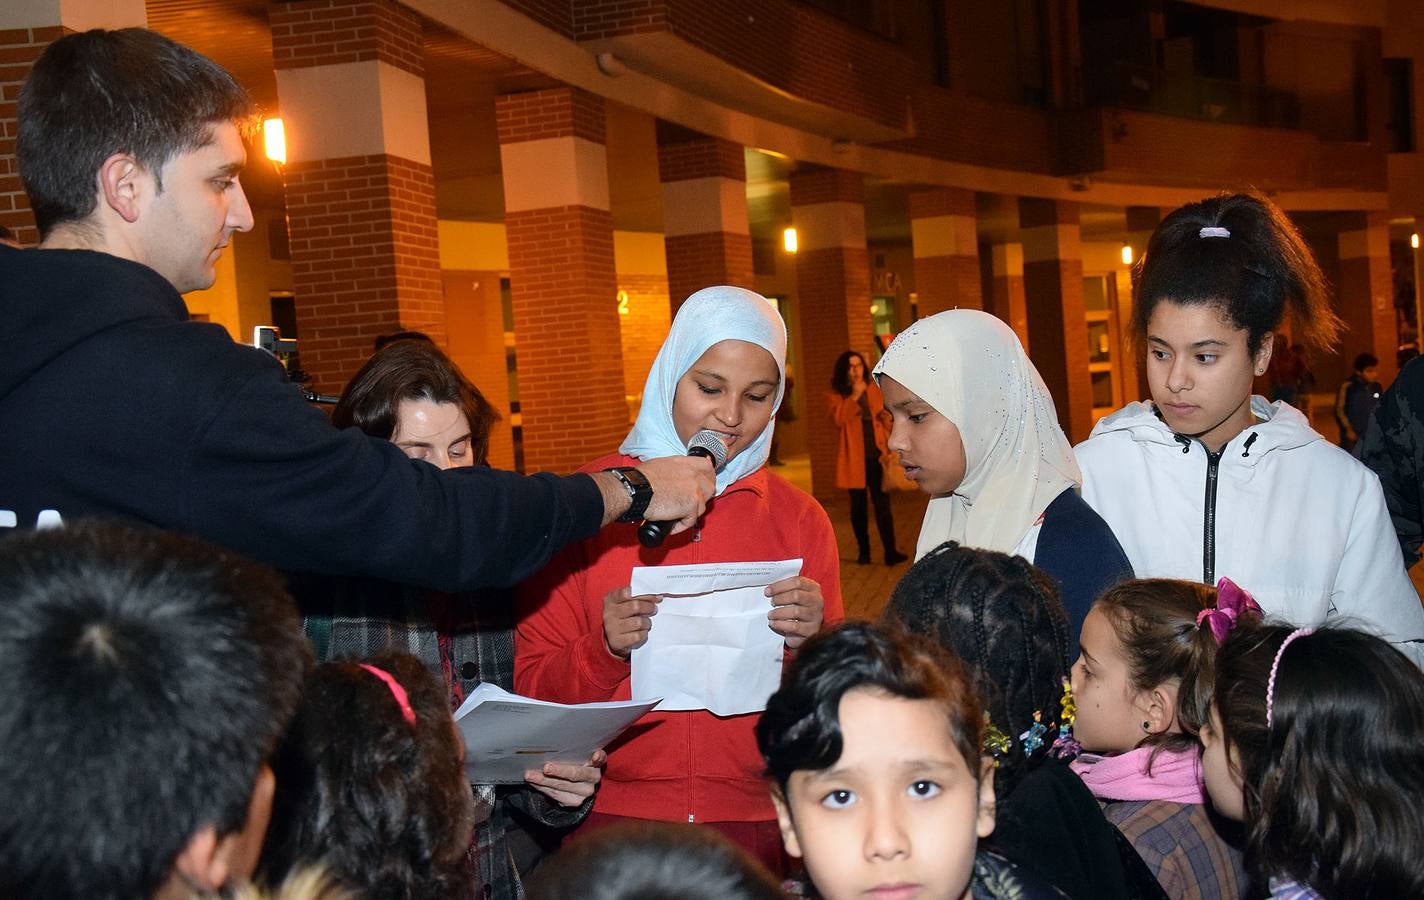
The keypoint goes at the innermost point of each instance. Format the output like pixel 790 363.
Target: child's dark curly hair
pixel 384 805
pixel 1002 617
pixel 800 729
pixel 1257 274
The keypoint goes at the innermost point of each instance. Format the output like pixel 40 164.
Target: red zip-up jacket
pixel 675 766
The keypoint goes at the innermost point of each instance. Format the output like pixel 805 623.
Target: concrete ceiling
pixel 462 80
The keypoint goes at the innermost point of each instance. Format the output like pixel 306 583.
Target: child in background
pixel 1143 689
pixel 1208 481
pixel 873 747
pixel 1001 616
pixel 974 427
pixel 1356 400
pixel 1314 741
pixel 371 784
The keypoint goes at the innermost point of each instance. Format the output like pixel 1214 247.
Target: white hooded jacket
pixel 1282 512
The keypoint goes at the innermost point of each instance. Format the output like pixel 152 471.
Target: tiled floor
pixel 865 589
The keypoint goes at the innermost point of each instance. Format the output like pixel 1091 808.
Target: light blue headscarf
pixel 710 316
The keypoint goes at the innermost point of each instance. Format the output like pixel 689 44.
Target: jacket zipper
pixel 1213 462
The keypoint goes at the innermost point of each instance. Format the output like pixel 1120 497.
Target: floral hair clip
pixel 1065 745
pixel 1033 738
pixel 996 743
pixel 1232 601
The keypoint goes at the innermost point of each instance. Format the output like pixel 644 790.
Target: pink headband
pixel 1231 601
pixel 1275 664
pixel 402 698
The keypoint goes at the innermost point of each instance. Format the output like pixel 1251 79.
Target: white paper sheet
pixel 507 735
pixel 711 646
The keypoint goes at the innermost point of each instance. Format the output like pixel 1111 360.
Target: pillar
pixel 833 293
pixel 644 313
pixel 27 27
pixel 943 230
pixel 708 238
pixel 1006 288
pixel 1366 297
pixel 359 184
pixel 561 270
pixel 1057 322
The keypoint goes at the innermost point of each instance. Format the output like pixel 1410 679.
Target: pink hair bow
pixel 1231 601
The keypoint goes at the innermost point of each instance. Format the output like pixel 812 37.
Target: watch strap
pixel 640 492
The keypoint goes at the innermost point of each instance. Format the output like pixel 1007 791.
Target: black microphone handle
pixel 652 534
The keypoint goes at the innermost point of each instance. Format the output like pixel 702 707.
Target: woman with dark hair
pixel 857 410
pixel 1314 743
pixel 411 394
pixel 371 784
pixel 1208 481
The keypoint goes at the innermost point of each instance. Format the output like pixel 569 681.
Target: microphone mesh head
pixel 712 442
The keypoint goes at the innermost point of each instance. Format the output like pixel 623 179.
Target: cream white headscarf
pixel 972 369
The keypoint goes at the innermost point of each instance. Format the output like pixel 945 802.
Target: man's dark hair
pixel 97 93
pixel 800 729
pixel 148 678
pixel 383 804
pixel 1002 617
pixel 412 369
pixel 653 861
pixel 1364 361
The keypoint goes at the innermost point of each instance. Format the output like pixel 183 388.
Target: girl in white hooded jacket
pixel 1208 481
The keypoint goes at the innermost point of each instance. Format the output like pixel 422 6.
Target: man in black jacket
pixel 114 404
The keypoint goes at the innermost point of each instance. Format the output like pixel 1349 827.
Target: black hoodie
pixel 113 404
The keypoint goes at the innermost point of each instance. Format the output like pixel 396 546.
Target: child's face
pixel 729 390
pixel 900 813
pixel 1200 371
pixel 928 444
pixel 1221 770
pixel 1110 713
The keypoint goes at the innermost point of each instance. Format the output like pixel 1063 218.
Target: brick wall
pixel 643 328
pixel 706 158
pixel 554 14
pixel 365 258
pixel 330 32
pixel 696 261
pixel 552 113
pixel 19 48
pixel 571 387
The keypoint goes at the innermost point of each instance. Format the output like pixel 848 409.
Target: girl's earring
pixel 1145 726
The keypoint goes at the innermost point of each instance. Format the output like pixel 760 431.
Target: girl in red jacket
pixel 722 368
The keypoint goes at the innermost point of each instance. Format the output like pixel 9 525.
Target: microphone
pixel 704 443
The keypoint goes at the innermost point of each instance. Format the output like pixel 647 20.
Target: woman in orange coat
pixel 856 407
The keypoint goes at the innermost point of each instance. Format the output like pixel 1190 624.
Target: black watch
pixel 640 493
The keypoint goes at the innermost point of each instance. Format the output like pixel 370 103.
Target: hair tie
pixel 1214 231
pixel 402 698
pixel 1275 664
pixel 1231 601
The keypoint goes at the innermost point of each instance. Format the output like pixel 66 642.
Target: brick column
pixel 1006 288
pixel 705 215
pixel 943 229
pixel 360 189
pixel 1057 323
pixel 833 293
pixel 560 235
pixel 26 29
pixel 1366 293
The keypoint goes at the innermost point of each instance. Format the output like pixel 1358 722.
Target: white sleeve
pixel 1372 589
